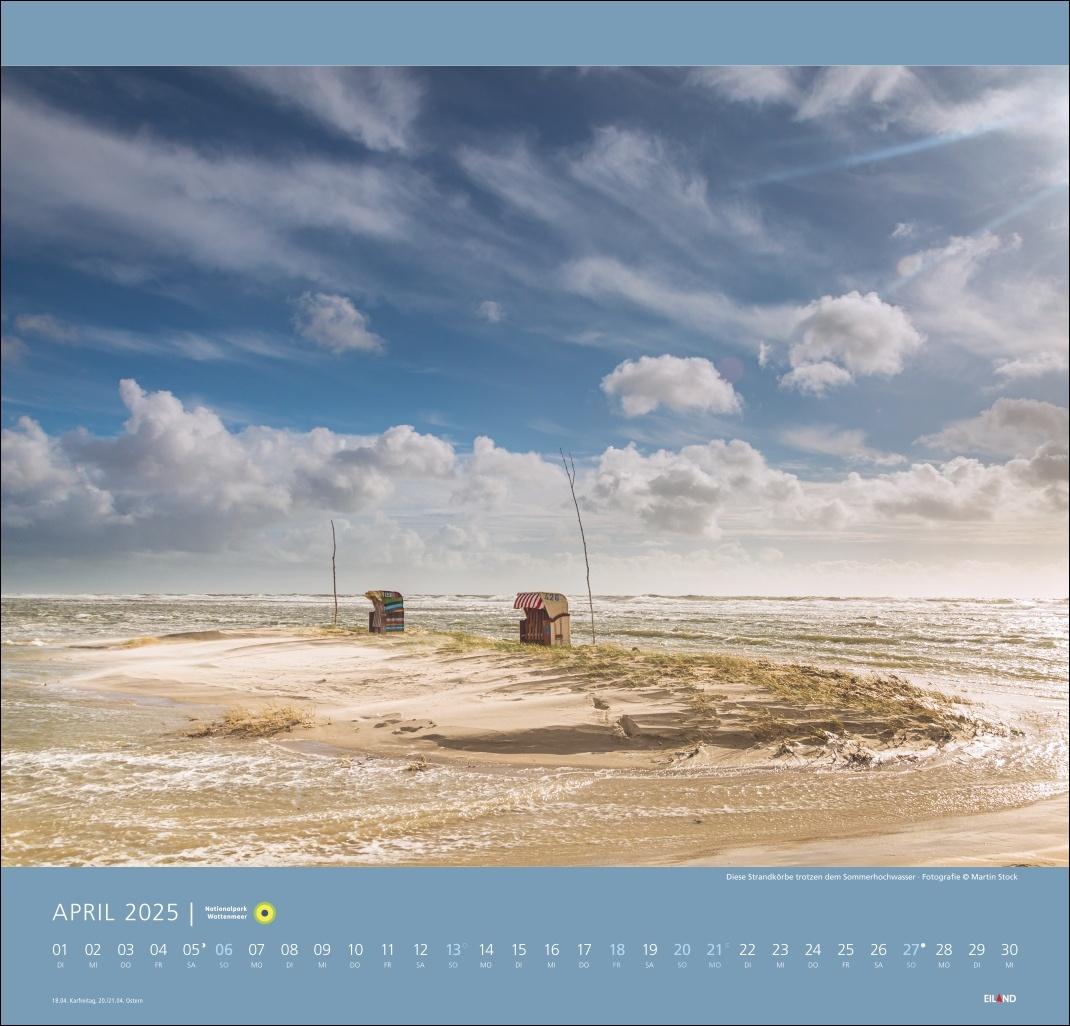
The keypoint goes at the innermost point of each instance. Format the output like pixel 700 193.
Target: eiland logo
pixel 1000 999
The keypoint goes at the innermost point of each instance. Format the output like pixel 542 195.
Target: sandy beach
pixel 724 760
pixel 460 698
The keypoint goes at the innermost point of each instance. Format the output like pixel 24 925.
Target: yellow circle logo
pixel 264 912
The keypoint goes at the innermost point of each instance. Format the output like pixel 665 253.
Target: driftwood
pixel 334 574
pixel 570 473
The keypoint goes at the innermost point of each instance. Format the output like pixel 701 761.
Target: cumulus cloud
pixel 966 489
pixel 491 311
pixel 837 338
pixel 677 383
pixel 177 479
pixel 375 106
pixel 1009 427
pixel 699 489
pixel 333 322
pixel 816 378
pixel 849 445
pixel 495 477
pixel 685 491
pixel 831 340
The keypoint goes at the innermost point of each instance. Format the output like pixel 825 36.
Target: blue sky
pixel 803 329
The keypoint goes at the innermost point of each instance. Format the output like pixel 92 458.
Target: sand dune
pixel 443 697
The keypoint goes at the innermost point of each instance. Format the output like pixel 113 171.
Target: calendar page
pixel 534 512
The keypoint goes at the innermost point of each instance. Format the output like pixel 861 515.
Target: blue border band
pixel 598 946
pixel 42 32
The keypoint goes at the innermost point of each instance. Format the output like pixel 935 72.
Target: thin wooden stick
pixel 334 574
pixel 570 473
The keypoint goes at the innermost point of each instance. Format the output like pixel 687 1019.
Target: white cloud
pixel 816 378
pixel 1009 427
pixel 849 445
pixel 1028 102
pixel 830 341
pixel 975 292
pixel 495 478
pixel 46 326
pixel 651 179
pixel 217 345
pixel 375 106
pixel 1022 100
pixel 709 312
pixel 1035 365
pixel 836 338
pixel 904 230
pixel 591 195
pixel 812 92
pixel 491 311
pixel 864 333
pixel 966 489
pixel 333 322
pixel 685 491
pixel 177 479
pixel 12 351
pixel 520 178
pixel 103 194
pixel 690 383
pixel 834 89
pixel 751 83
pixel 704 489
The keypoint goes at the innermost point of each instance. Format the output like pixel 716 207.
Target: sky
pixel 803 330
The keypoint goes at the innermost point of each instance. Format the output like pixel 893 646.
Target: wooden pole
pixel 570 473
pixel 334 573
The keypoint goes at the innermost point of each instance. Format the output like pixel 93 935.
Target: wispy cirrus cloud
pixel 846 444
pixel 375 106
pixel 99 193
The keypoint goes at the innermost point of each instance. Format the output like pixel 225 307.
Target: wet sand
pixel 1034 835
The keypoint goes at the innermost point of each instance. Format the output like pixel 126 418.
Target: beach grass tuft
pixel 240 722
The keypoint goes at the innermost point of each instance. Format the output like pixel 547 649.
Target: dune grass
pixel 829 694
pixel 240 722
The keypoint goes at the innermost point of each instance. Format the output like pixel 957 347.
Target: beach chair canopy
pixel 553 602
pixel 383 596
